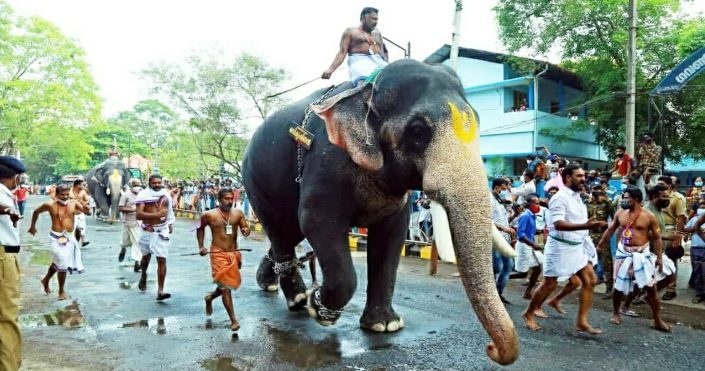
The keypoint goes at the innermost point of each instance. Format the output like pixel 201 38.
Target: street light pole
pixel 456 36
pixel 631 80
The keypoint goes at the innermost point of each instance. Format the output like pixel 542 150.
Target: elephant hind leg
pixel 284 234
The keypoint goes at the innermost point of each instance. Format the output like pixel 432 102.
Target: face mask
pixel 624 186
pixel 596 194
pixel 136 189
pixel 504 194
pixel 698 184
pixel 226 207
pixel 626 205
pixel 620 155
pixel 700 212
pixel 534 208
pixel 62 202
pixel 550 195
pixel 662 204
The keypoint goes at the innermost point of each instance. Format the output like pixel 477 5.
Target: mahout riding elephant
pixel 411 128
pixel 105 181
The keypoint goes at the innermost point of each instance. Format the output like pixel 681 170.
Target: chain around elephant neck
pixel 299 147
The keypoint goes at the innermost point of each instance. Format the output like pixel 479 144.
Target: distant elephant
pixel 105 182
pixel 410 129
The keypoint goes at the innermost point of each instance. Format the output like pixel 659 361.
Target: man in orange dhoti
pixel 225 257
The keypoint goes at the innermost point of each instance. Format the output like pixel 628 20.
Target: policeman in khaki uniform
pixel 601 209
pixel 10 338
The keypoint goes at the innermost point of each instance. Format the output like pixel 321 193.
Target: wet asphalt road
pixel 110 324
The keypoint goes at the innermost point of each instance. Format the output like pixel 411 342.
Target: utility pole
pixel 631 80
pixel 456 35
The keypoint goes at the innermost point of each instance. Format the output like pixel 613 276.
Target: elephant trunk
pixel 454 176
pixel 115 187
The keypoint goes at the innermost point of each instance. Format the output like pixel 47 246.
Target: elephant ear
pixel 345 115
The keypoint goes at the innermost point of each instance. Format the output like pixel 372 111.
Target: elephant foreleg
pixel 328 236
pixel 384 244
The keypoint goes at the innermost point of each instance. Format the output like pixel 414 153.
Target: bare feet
pixel 209 304
pixel 45 285
pixel 662 326
pixel 530 322
pixel 616 319
pixel 589 329
pixel 235 326
pixel 63 296
pixel 556 306
pixel 540 313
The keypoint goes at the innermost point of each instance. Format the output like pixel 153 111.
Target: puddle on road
pixel 302 352
pixel 69 316
pixel 227 364
pixel 158 325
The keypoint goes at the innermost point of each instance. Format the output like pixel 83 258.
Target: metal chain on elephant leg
pixel 324 313
pixel 288 268
pixel 299 147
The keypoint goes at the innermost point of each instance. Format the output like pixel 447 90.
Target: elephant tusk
pixel 500 244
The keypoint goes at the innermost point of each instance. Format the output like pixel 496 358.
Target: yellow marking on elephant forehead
pixel 115 174
pixel 464 124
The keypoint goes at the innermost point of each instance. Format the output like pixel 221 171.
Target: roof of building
pixel 554 73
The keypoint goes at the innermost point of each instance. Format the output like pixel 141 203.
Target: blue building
pixel 520 112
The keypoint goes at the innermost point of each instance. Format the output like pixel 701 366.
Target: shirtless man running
pixel 634 263
pixel 64 247
pixel 364 47
pixel 225 257
pixel 78 193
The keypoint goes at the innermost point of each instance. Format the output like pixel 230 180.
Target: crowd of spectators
pixel 602 194
pixel 198 195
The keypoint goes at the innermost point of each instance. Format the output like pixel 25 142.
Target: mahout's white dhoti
pixel 637 265
pixel 361 66
pixel 66 254
pixel 155 240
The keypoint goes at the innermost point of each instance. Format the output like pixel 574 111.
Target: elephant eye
pixel 417 135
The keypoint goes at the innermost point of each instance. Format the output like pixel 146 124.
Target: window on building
pixel 520 101
pixel 555 107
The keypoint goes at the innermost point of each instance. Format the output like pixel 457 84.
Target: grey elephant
pixel 412 128
pixel 105 182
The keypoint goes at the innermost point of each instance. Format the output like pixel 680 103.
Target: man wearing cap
pixel 10 338
pixel 600 209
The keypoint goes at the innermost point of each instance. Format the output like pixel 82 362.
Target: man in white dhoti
pixel 364 48
pixel 154 210
pixel 130 227
pixel 569 250
pixel 635 264
pixel 66 253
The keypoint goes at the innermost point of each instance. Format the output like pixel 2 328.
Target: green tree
pixel 45 82
pixel 217 96
pixel 591 38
